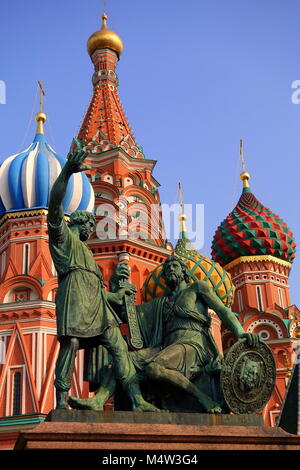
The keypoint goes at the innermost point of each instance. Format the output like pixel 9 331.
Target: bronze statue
pixel 179 350
pixel 85 316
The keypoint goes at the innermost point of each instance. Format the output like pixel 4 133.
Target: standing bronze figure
pixel 85 317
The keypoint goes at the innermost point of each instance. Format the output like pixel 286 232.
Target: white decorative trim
pixel 28 320
pixel 39 354
pixel 265 321
pixel 33 352
pixel 50 372
pixel 44 355
pixel 44 329
pixel 29 237
pixel 265 271
pixel 36 303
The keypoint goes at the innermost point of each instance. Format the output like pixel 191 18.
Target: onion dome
pixel 252 230
pixel 200 268
pixel 105 39
pixel 27 178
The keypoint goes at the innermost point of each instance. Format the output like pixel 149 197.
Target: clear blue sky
pixel 195 76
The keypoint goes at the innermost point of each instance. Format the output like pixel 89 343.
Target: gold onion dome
pixel 105 39
pixel 200 268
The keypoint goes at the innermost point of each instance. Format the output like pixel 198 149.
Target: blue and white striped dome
pixel 26 180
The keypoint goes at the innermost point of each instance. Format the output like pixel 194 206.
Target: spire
pixel 105 125
pixel 41 117
pixel 182 216
pixel 244 175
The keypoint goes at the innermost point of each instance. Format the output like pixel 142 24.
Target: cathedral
pixel 252 251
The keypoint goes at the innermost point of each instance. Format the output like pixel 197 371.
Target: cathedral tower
pixel 28 345
pixel 257 248
pixel 127 203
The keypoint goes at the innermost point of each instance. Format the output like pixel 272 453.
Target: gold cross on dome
pixel 42 93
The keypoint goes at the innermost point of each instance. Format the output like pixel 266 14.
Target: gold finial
pixel 182 216
pixel 41 117
pixel 244 175
pixel 245 178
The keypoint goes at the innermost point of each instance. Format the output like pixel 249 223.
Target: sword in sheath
pixel 129 305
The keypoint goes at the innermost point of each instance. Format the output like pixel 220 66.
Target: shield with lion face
pixel 248 377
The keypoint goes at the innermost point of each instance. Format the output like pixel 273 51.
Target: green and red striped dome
pixel 252 230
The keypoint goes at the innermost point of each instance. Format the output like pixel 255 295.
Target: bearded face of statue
pixel 173 274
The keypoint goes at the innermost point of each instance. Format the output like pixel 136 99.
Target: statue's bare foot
pixel 145 406
pixel 85 403
pixel 215 410
pixel 211 406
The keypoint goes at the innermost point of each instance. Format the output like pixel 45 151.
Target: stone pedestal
pixel 112 430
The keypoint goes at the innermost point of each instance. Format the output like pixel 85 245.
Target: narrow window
pixel 17 394
pixel 26 252
pixel 3 262
pixel 280 297
pixel 240 301
pixel 259 298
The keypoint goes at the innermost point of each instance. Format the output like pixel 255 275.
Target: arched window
pixel 136 198
pixel 104 195
pixel 16 394
pixel 26 258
